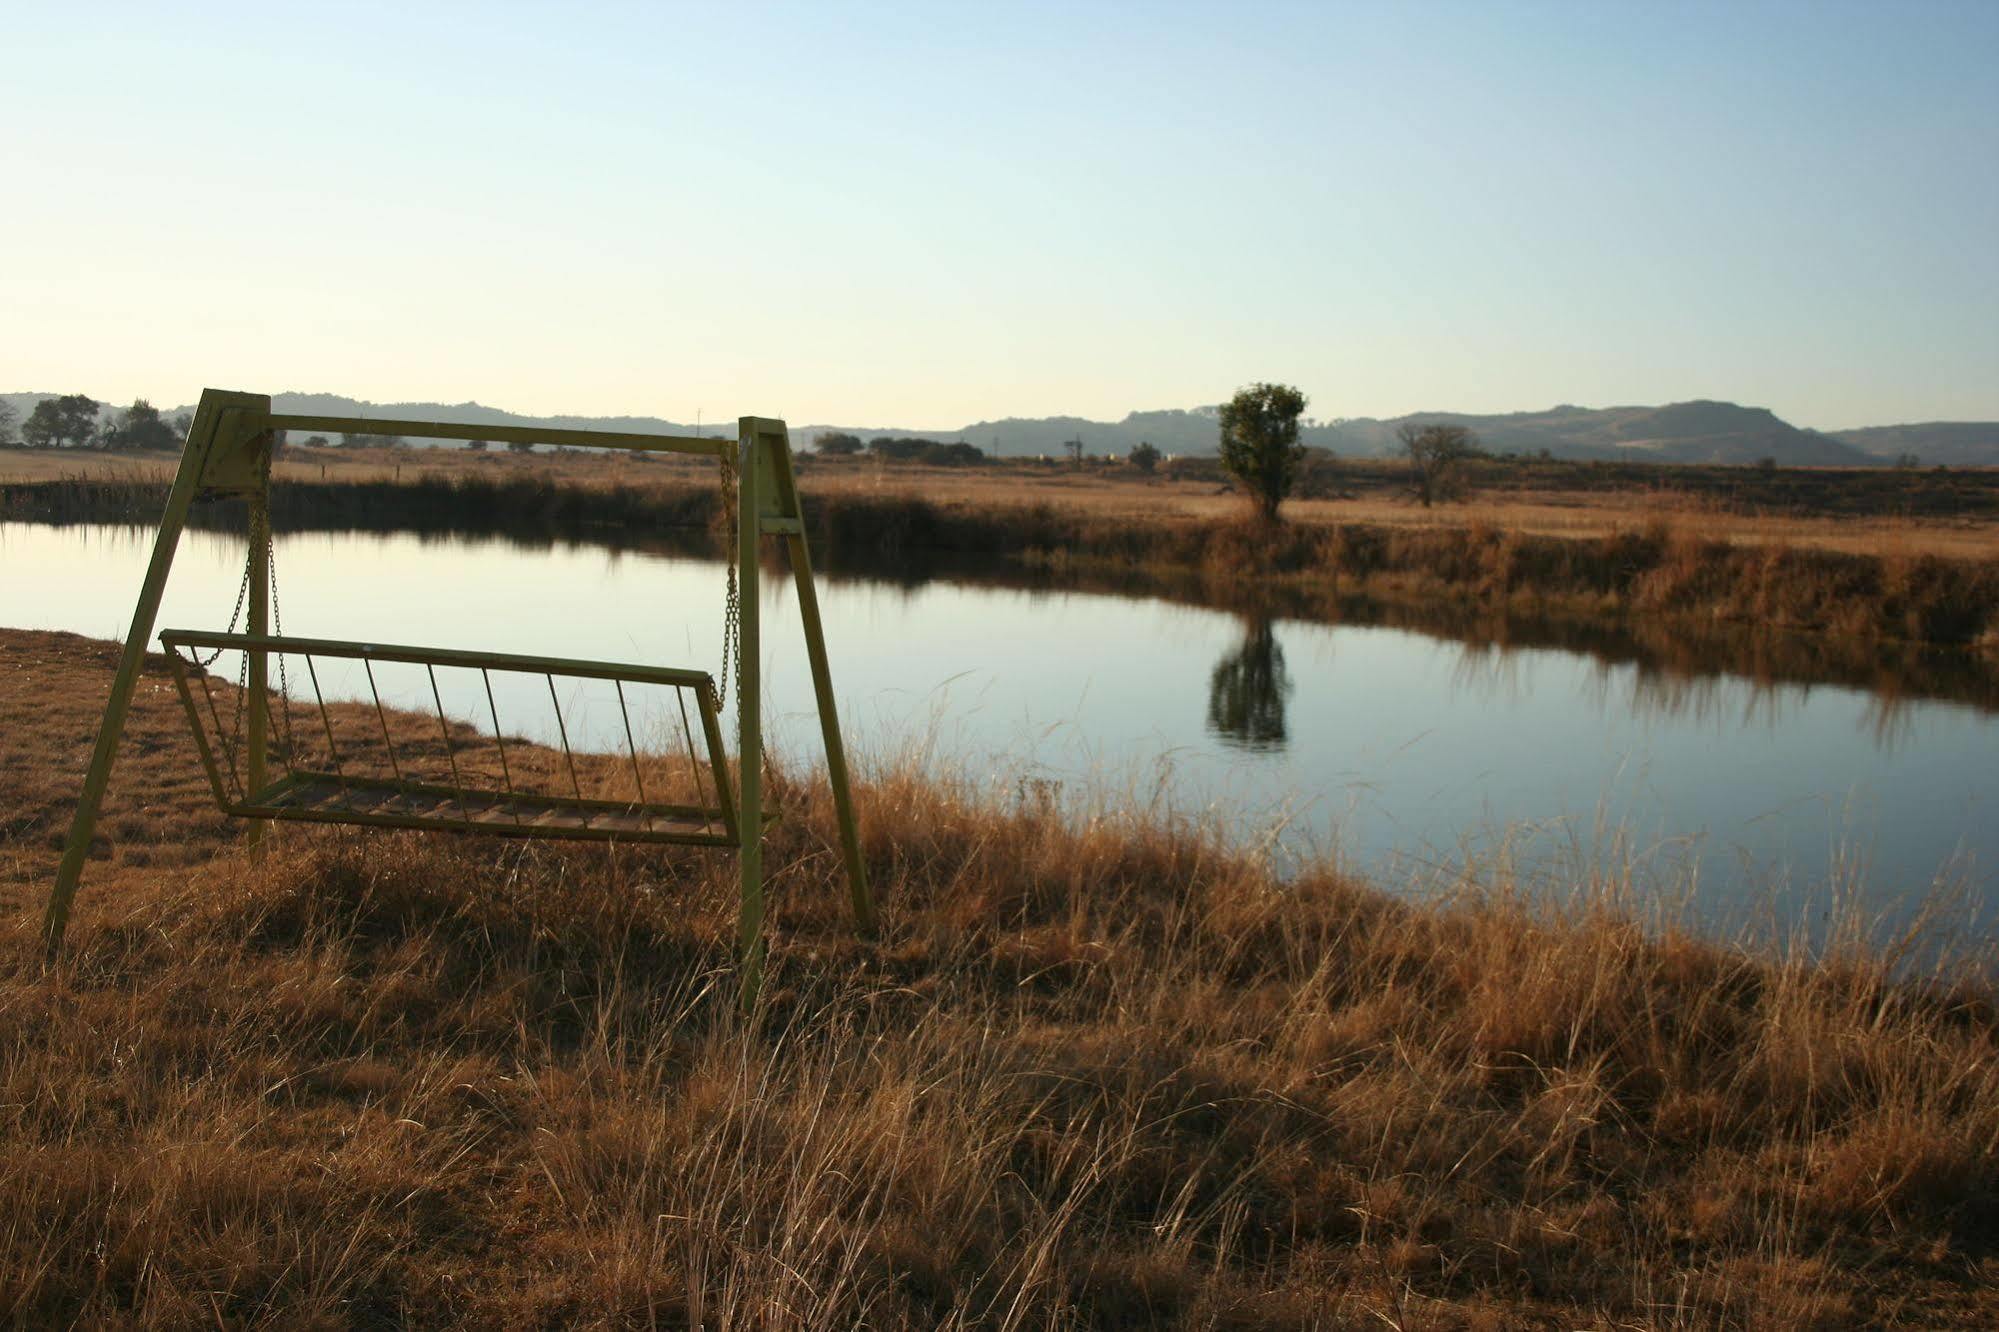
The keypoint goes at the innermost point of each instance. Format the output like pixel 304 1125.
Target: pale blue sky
pixel 926 215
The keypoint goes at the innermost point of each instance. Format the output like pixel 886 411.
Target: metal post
pixel 822 689
pixel 749 717
pixel 187 482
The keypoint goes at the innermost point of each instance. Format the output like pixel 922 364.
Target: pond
pixel 1401 752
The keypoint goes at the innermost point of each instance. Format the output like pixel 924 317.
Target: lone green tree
pixel 1438 455
pixel 838 443
pixel 1143 456
pixel 6 423
pixel 1260 443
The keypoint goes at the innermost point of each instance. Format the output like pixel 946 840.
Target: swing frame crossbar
pixel 228 454
pixel 335 794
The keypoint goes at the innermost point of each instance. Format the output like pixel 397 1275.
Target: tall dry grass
pixel 1102 1075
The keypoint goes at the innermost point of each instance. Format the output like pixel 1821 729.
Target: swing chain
pixel 278 630
pixel 233 737
pixel 242 593
pixel 732 609
pixel 732 619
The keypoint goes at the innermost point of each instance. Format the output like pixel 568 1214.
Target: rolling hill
pixel 1952 443
pixel 1689 432
pixel 1681 432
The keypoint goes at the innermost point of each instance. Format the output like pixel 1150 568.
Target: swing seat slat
pixel 327 800
pixel 473 801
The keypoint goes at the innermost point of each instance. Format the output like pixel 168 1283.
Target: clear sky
pixel 928 215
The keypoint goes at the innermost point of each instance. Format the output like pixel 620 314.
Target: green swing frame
pixel 228 453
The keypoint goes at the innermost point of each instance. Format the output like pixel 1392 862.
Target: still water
pixel 1400 753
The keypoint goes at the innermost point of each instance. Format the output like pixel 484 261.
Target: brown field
pixel 1095 1073
pixel 1875 511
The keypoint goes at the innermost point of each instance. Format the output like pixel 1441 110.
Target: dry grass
pixel 1098 1075
pixel 1543 508
pixel 52 689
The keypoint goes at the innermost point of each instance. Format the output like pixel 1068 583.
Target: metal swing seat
pixel 360 767
pixel 367 776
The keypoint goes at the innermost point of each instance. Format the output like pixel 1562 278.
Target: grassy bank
pixel 1654 569
pixel 1098 1075
pixel 1657 572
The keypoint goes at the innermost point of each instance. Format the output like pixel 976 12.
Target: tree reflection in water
pixel 1247 692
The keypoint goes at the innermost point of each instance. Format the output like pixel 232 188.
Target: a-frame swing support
pixel 228 453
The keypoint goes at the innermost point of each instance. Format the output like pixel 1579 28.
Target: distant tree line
pixel 77 421
pixel 74 421
pixel 842 444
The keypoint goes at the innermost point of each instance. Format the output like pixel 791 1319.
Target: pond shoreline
pixel 1916 627
pixel 1664 571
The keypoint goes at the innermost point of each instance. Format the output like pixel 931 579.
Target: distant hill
pixel 1952 443
pixel 1681 432
pixel 1700 431
pixel 473 413
pixel 1168 431
pixel 1692 432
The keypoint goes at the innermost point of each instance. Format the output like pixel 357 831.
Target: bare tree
pixel 1437 457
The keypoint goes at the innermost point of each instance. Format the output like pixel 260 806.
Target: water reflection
pixel 1676 660
pixel 1677 670
pixel 1248 689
